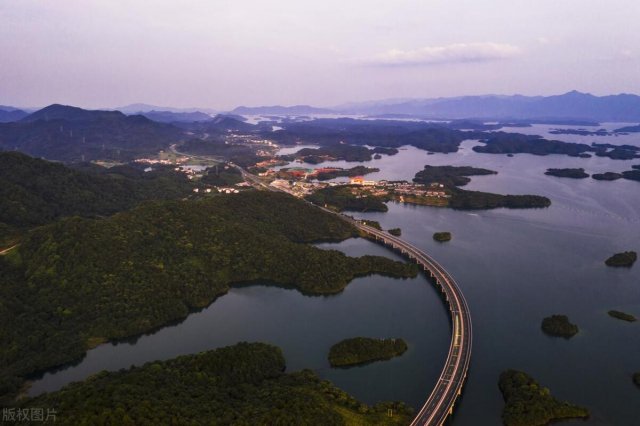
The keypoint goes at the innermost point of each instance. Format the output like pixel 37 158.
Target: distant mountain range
pixel 66 133
pixel 281 110
pixel 572 105
pixel 8 114
pixel 176 117
pixel 139 108
pixel 569 106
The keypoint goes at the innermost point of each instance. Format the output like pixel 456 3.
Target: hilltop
pixel 66 133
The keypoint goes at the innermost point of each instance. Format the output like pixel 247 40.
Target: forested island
pixel 395 232
pixel 240 384
pixel 625 259
pixel 529 404
pixel 567 173
pixel 342 198
pixel 449 175
pixel 354 171
pixel 442 237
pixel 559 326
pixel 622 316
pixel 632 175
pixel 607 176
pixel 363 350
pixel 335 152
pixel 79 282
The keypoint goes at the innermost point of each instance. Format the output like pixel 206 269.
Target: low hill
pixel 35 192
pixel 9 114
pixel 180 117
pixel 69 134
pixel 78 282
pixel 240 384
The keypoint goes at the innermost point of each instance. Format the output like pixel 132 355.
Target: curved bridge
pixel 440 403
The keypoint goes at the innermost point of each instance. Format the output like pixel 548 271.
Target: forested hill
pixel 65 133
pixel 241 384
pixel 34 191
pixel 78 282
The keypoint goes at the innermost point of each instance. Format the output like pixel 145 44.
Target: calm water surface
pixel 514 266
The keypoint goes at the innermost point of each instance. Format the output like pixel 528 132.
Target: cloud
pixel 450 54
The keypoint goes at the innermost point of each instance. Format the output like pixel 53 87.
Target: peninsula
pixel 529 404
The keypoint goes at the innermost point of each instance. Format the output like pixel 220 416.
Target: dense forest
pixel 476 200
pixel 222 176
pixel 243 155
pixel 244 384
pixel 337 152
pixel 66 133
pixel 567 173
pixel 353 171
pixel 529 404
pixel 363 350
pixel 35 192
pixel 341 199
pixel 78 282
pixel 449 175
pixel 559 325
pixel 378 133
pixel 513 143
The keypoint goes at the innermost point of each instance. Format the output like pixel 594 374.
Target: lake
pixel 514 266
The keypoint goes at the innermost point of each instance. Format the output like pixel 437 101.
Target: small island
pixel 622 316
pixel 442 237
pixel 567 173
pixel 559 326
pixel 625 259
pixel 632 175
pixel 363 350
pixel 395 231
pixel 529 404
pixel 607 176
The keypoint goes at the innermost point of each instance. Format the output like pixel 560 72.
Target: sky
pixel 221 54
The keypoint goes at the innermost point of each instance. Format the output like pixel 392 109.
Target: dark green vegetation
pixel 632 175
pixel 338 152
pixel 636 166
pixel 379 133
pixel 35 192
pixel 241 154
pixel 449 175
pixel 636 379
pixel 341 198
pixel 79 282
pixel 622 316
pixel 559 326
pixel 624 259
pixel 606 176
pixel 442 237
pixel 242 384
pixel 222 175
pixel 476 200
pixel 67 133
pixel 514 143
pixel 395 231
pixel 452 177
pixel 372 223
pixel 362 350
pixel 567 173
pixel 580 132
pixel 354 171
pixel 529 404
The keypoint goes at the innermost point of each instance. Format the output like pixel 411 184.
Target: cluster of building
pixel 219 190
pixel 299 189
pixel 359 180
pixel 404 188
